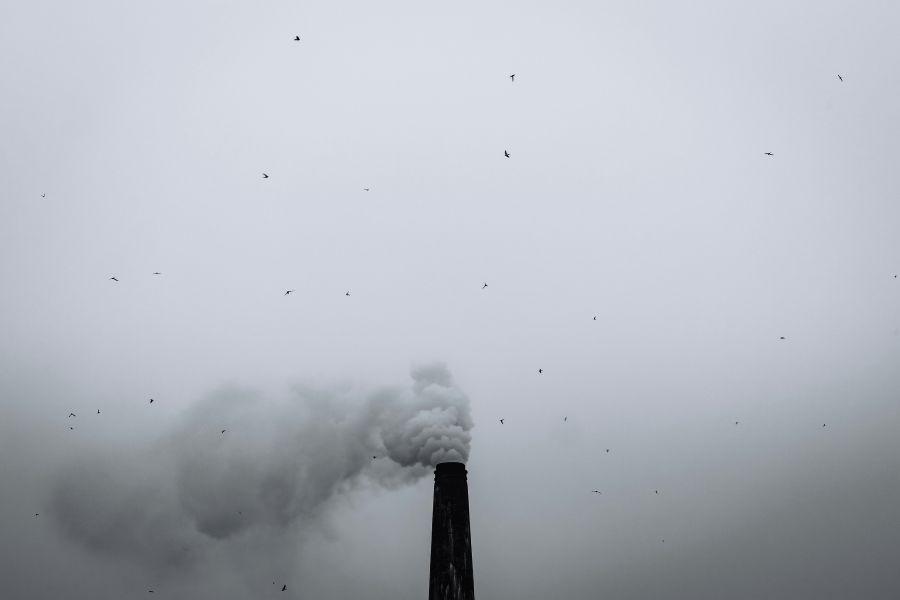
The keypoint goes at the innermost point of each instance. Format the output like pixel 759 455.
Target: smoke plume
pixel 276 467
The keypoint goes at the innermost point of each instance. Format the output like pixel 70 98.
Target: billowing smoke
pixel 277 467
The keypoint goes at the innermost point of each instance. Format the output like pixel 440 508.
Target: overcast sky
pixel 133 139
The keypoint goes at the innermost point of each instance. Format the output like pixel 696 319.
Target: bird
pixel 506 153
pixel 365 189
pixel 284 587
pixel 540 371
pixel 71 414
pixel 737 422
pixel 513 77
pixel 839 77
pixel 565 419
pixel 149 591
pixel 296 38
pixel 596 491
pixel 157 273
pixel 823 424
pixel 43 195
pixel 151 400
pixel 224 430
pixel 98 411
pixel 265 176
pixel 374 457
pixel 781 337
pixel 768 154
pixel 607 450
pixel 501 421
pixel 595 317
pixel 72 428
pixel 114 279
pixel 895 277
pixel 288 292
pixel 484 286
pixel 347 293
pixel 657 491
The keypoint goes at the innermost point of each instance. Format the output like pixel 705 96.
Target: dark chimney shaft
pixel 451 543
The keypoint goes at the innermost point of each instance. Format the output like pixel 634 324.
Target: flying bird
pixel 296 38
pixel 151 400
pixel 823 424
pixel 768 154
pixel 72 428
pixel 839 77
pixel 157 273
pixel 595 317
pixel 781 337
pixel 513 77
pixel 365 189
pixel 506 153
pixel 737 422
pixel 37 514
pixel 565 419
pixel 501 421
pixel 374 457
pixel 98 411
pixel 71 414
pixel 265 176
pixel 43 195
pixel 284 587
pixel 113 278
pixel 596 491
pixel 540 371
pixel 657 491
pixel 224 430
pixel 288 292
pixel 607 450
pixel 485 285
pixel 347 293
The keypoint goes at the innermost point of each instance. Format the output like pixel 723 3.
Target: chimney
pixel 451 543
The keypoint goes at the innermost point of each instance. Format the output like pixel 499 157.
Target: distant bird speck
pixel 501 421
pixel 98 411
pixel 768 154
pixel 365 189
pixel 284 587
pixel 540 371
pixel 72 428
pixel 506 153
pixel 113 278
pixel 781 337
pixel 565 419
pixel 595 317
pixel 656 491
pixel 223 431
pixel 265 176
pixel 37 514
pixel 157 273
pixel 71 414
pixel 607 450
pixel 296 38
pixel 513 77
pixel 151 400
pixel 596 491
pixel 43 195
pixel 484 286
pixel 288 292
pixel 347 293
pixel 839 77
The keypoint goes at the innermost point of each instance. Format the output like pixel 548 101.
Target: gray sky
pixel 637 191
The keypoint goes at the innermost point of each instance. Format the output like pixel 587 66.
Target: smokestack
pixel 451 543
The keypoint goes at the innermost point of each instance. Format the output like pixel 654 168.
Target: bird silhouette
pixel 365 189
pixel 781 337
pixel 223 431
pixel 284 587
pixel 98 411
pixel 37 514
pixel 288 292
pixel 596 491
pixel 506 154
pixel 513 77
pixel 607 450
pixel 565 419
pixel 768 154
pixel 72 428
pixel 265 176
pixel 501 421
pixel 347 293
pixel 737 422
pixel 296 38
pixel 43 195
pixel 71 414
pixel 823 424
pixel 374 457
pixel 113 278
pixel 157 273
pixel 540 370
pixel 839 77
pixel 595 317
pixel 151 400
pixel 656 491
pixel 485 285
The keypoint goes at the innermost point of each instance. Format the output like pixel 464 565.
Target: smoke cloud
pixel 277 467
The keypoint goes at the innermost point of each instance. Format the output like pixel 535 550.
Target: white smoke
pixel 274 469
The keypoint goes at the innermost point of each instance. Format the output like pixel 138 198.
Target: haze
pixel 133 140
